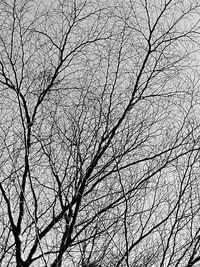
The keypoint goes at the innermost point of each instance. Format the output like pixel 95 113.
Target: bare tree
pixel 99 133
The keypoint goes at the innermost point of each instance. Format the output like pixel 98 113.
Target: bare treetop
pixel 99 133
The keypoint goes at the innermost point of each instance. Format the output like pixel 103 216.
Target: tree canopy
pixel 99 133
